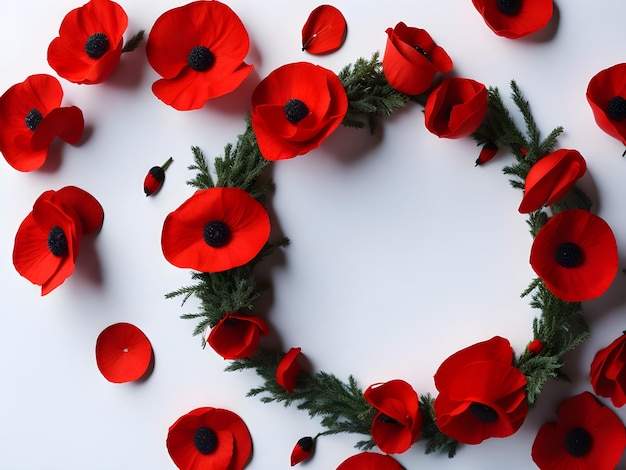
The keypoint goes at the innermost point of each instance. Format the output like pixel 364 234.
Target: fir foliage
pixel 436 441
pixel 134 42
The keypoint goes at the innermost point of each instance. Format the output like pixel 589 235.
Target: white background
pixel 402 251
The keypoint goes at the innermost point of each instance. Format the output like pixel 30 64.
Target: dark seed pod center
pixel 216 233
pixel 97 45
pixel 423 52
pixel 200 59
pixel 483 412
pixel 33 119
pixel 578 442
pixel 205 440
pixel 509 7
pixel 306 443
pixel 569 255
pixel 296 111
pixel 57 242
pixel 616 108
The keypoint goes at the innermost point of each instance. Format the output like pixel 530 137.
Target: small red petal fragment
pixel 324 31
pixel 302 450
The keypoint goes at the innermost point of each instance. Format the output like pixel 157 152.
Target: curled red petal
pixel 324 31
pixel 123 353
pixel 287 370
pixel 237 336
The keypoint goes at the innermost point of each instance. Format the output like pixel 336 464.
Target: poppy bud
pixel 302 450
pixel 488 151
pixel 535 347
pixel 155 177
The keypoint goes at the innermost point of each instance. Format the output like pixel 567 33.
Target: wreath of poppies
pixel 223 230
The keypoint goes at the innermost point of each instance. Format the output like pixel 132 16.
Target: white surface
pixel 402 252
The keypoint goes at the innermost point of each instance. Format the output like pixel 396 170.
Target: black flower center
pixel 306 443
pixel 33 118
pixel 205 440
pixel 578 442
pixel 569 255
pixel 616 108
pixel 200 59
pixel 57 242
pixel 509 7
pixel 388 419
pixel 216 233
pixel 97 45
pixel 423 52
pixel 483 412
pixel 296 111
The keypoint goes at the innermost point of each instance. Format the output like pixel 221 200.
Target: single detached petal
pixel 288 369
pixel 123 353
pixel 324 31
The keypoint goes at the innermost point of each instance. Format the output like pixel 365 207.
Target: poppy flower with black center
pixel 214 230
pixel 48 240
pixel 608 372
pixel 550 178
pixel 324 31
pixel 199 50
pixel 288 369
pixel 398 423
pixel 481 395
pixel 208 438
pixel 456 108
pixel 575 254
pixel 606 94
pixel 586 435
pixel 412 59
pixel 295 108
pixel 123 353
pixel 90 42
pixel 370 461
pixel 237 336
pixel 514 19
pixel 31 117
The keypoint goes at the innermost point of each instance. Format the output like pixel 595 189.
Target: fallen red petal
pixel 324 31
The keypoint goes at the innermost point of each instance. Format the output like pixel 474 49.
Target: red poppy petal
pixel 65 123
pixel 89 210
pixel 123 353
pixel 236 337
pixel 287 369
pixel 370 461
pixel 391 438
pixel 395 398
pixel 324 31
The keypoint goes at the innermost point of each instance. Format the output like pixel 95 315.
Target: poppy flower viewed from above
pixel 370 461
pixel 514 19
pixel 89 45
pixel 199 50
pixel 123 353
pixel 288 369
pixel 575 254
pixel 324 31
pixel 31 117
pixel 608 372
pixel 237 336
pixel 209 438
pixel 606 94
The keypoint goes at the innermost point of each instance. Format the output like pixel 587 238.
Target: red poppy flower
pixel 481 395
pixel 47 241
pixel 606 94
pixel 324 30
pixel 198 49
pixel 586 435
pixel 575 253
pixel 209 438
pixel 302 450
pixel 295 108
pixel 398 423
pixel 456 108
pixel 370 461
pixel 237 336
pixel 31 118
pixel 551 178
pixel 608 374
pixel 288 369
pixel 123 353
pixel 514 19
pixel 89 44
pixel 214 230
pixel 154 179
pixel 412 59
pixel 535 347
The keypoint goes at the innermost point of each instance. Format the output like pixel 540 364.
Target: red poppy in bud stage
pixel 550 178
pixel 481 395
pixel 586 435
pixel 198 49
pixel 90 42
pixel 214 230
pixel 412 59
pixel 456 108
pixel 398 423
pixel 370 461
pixel 295 108
pixel 209 438
pixel 47 241
pixel 154 179
pixel 575 254
pixel 123 353
pixel 487 153
pixel 514 19
pixel 302 450
pixel 31 118
pixel 606 94
pixel 237 336
pixel 608 372
pixel 288 369
pixel 324 30
pixel 535 347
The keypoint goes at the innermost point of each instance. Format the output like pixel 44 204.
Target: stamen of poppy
pixel 578 442
pixel 388 419
pixel 200 59
pixel 423 52
pixel 483 412
pixel 616 108
pixel 295 110
pixel 33 118
pixel 57 242
pixel 205 440
pixel 569 255
pixel 216 233
pixel 97 45
pixel 509 7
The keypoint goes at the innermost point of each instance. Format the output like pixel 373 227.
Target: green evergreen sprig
pixel 134 41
